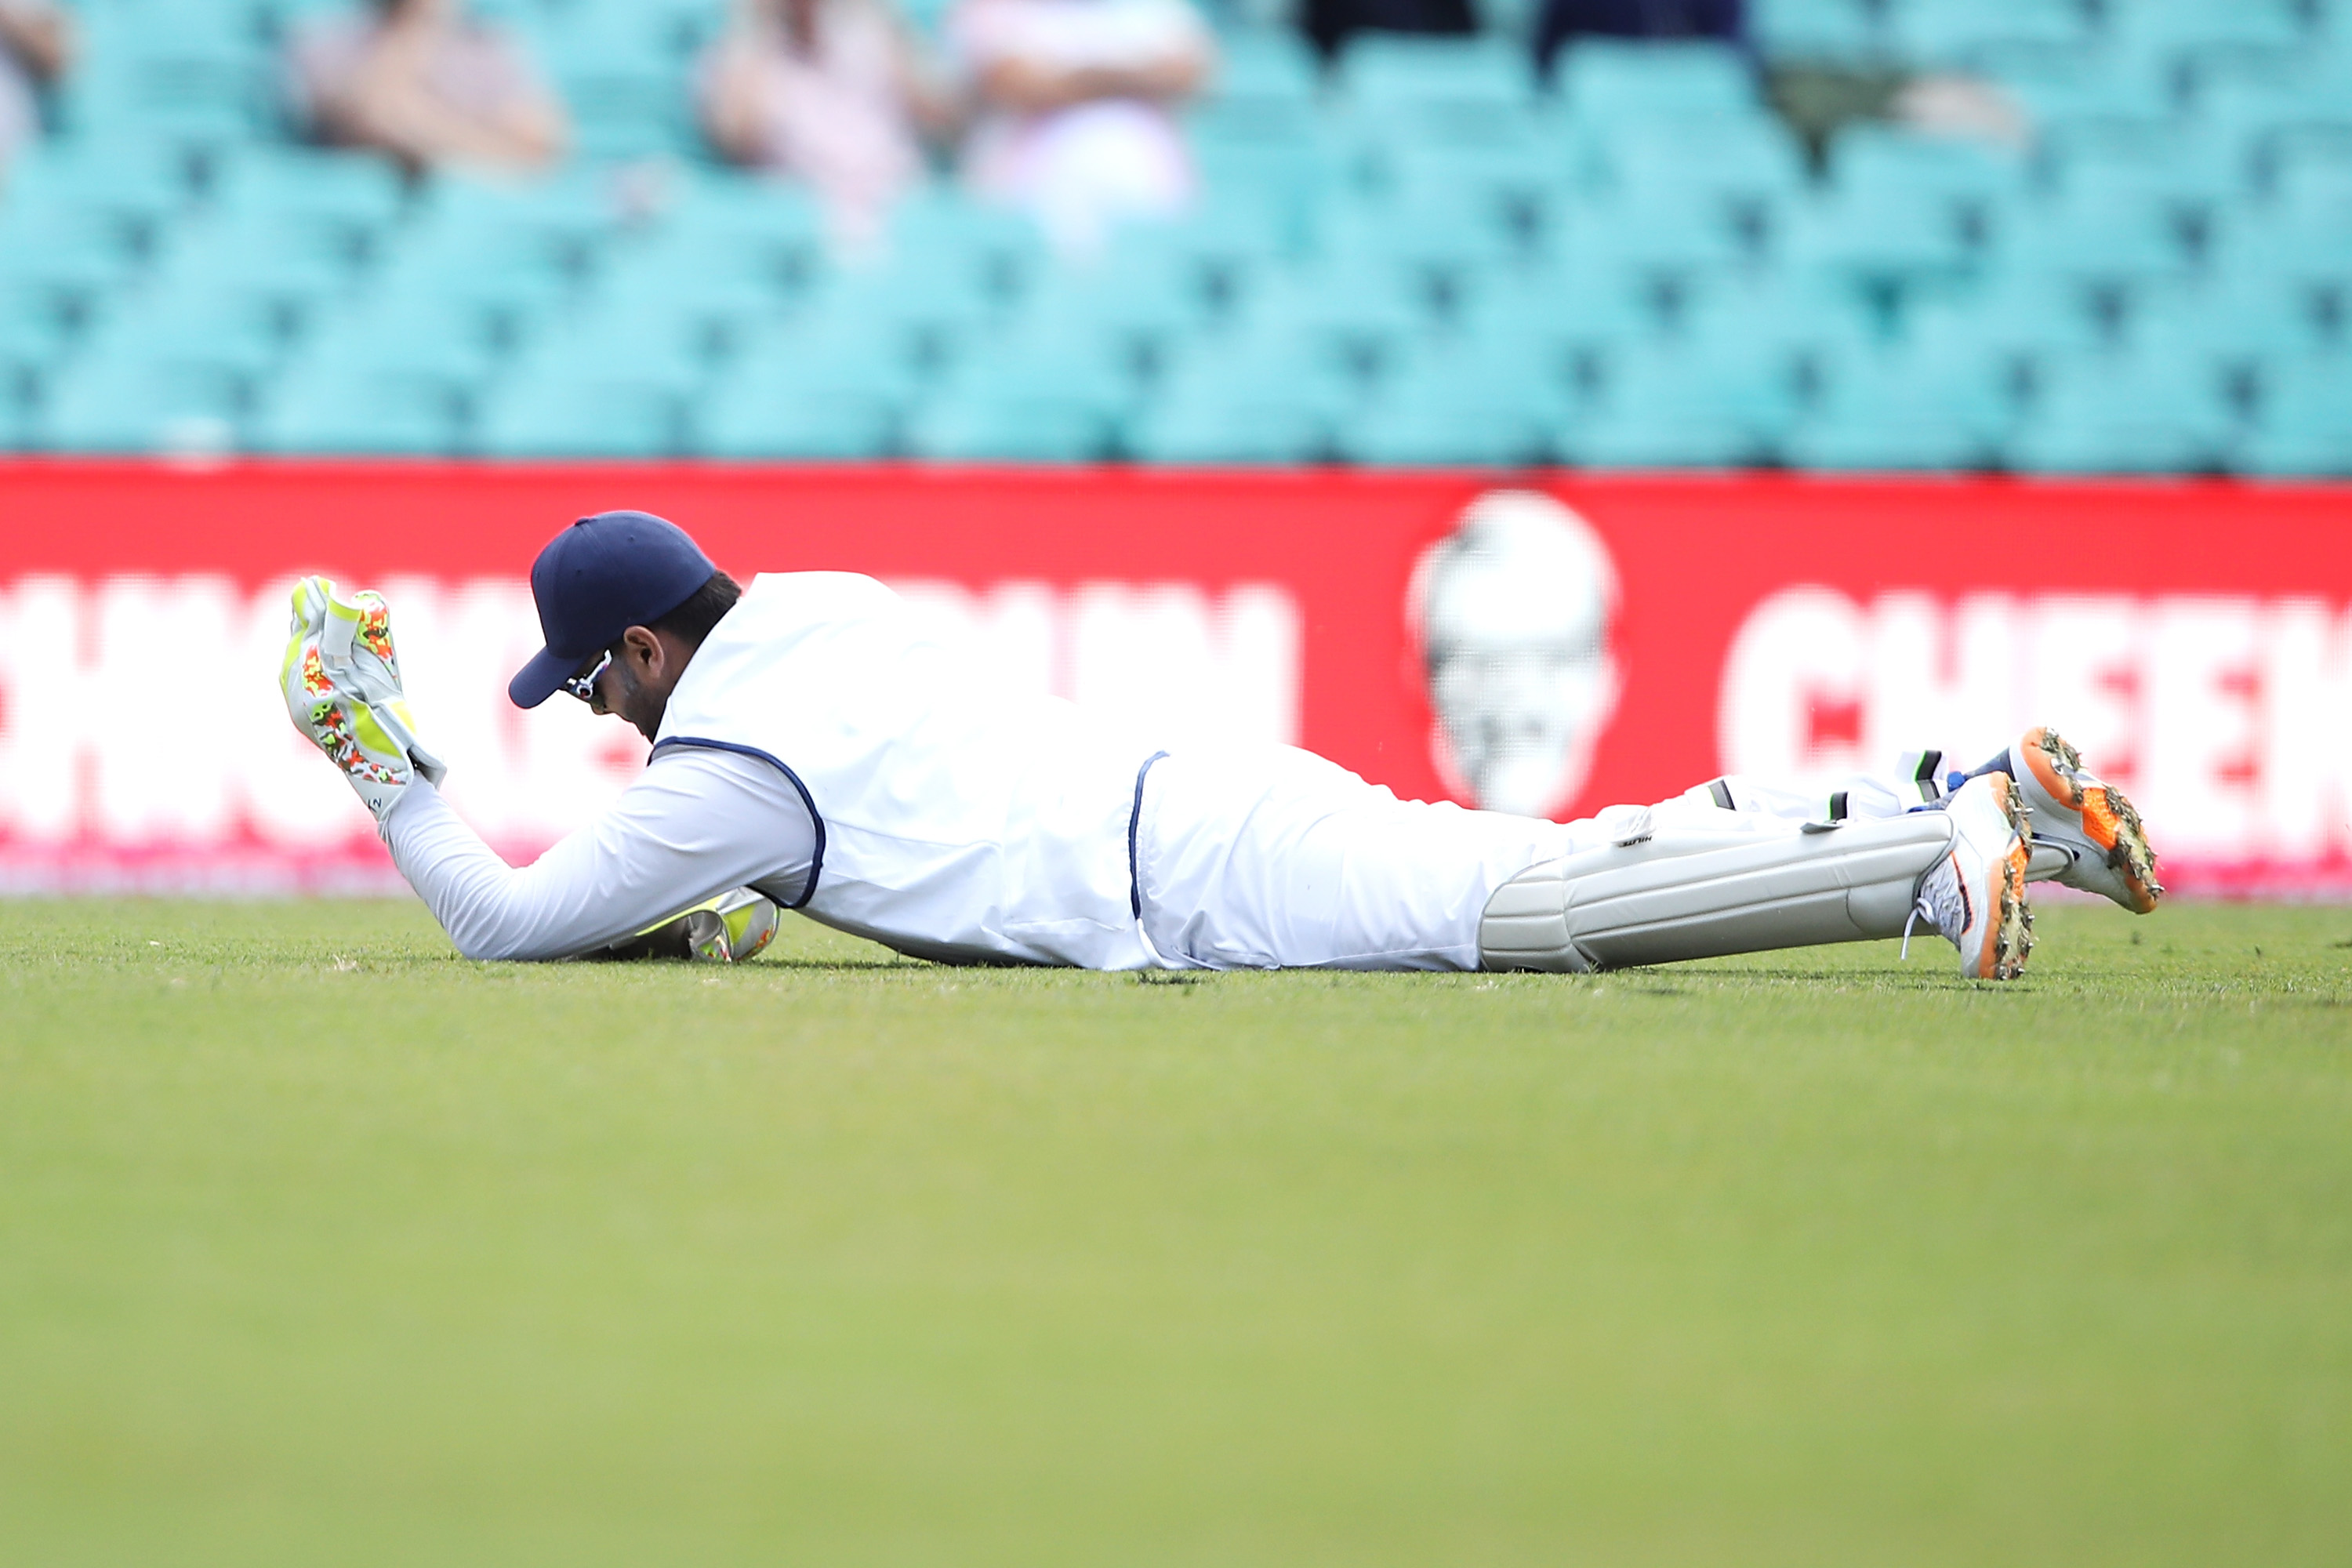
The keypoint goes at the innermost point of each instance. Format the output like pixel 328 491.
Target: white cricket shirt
pixel 820 746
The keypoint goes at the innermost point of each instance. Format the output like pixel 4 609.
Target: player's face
pixel 631 679
pixel 585 682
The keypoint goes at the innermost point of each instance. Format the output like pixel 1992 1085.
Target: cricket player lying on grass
pixel 812 744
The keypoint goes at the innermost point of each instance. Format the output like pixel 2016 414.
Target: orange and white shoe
pixel 2085 833
pixel 1975 894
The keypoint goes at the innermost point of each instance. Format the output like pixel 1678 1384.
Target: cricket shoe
pixel 1975 894
pixel 2085 833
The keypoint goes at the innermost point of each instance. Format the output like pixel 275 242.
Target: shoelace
pixel 1940 900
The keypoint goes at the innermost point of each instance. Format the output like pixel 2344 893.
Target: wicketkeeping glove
pixel 341 683
pixel 730 929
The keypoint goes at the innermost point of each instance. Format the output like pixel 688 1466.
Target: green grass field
pixel 319 1245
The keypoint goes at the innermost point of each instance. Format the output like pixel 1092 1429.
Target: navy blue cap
pixel 595 581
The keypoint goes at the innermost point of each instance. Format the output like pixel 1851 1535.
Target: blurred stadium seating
pixel 1423 256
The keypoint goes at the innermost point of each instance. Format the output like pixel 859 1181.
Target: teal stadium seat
pixel 1222 246
pixel 351 201
pixel 2235 320
pixel 821 386
pixel 598 341
pixel 1084 360
pixel 1813 321
pixel 186 74
pixel 153 401
pixel 1679 405
pixel 941 229
pixel 285 255
pixel 1899 243
pixel 321 409
pixel 1491 401
pixel 728 259
pixel 34 340
pixel 1346 315
pixel 1832 32
pixel 2060 89
pixel 1952 183
pixel 2265 111
pixel 622 75
pixel 1143 298
pixel 1963 32
pixel 2313 185
pixel 1750 165
pixel 2123 414
pixel 794 421
pixel 133 183
pixel 76 224
pixel 1249 397
pixel 2120 248
pixel 1441 231
pixel 360 188
pixel 2016 329
pixel 1901 407
pixel 1423 85
pixel 389 374
pixel 243 333
pixel 489 308
pixel 2304 424
pixel 1274 159
pixel 722 206
pixel 74 255
pixel 2193 33
pixel 1522 166
pixel 1265 68
pixel 929 306
pixel 547 413
pixel 1563 310
pixel 1657 243
pixel 2124 167
pixel 1609 83
pixel 557 226
pixel 990 420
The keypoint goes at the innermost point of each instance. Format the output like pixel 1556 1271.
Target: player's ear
pixel 644 650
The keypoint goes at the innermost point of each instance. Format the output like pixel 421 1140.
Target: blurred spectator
pixel 831 91
pixel 420 80
pixel 1565 20
pixel 1076 98
pixel 1331 23
pixel 35 47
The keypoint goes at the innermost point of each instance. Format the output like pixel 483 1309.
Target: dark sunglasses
pixel 583 685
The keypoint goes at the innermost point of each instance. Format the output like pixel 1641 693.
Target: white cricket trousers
pixel 1264 857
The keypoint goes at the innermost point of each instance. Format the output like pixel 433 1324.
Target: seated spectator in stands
pixel 830 91
pixel 35 47
pixel 420 80
pixel 1565 20
pixel 1330 24
pixel 1078 100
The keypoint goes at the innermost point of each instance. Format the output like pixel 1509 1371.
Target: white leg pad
pixel 1703 895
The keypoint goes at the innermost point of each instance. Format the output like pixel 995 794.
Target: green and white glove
pixel 341 679
pixel 729 928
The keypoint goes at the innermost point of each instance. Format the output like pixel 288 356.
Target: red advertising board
pixel 1550 643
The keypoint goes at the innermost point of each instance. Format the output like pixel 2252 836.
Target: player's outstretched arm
pixel 695 824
